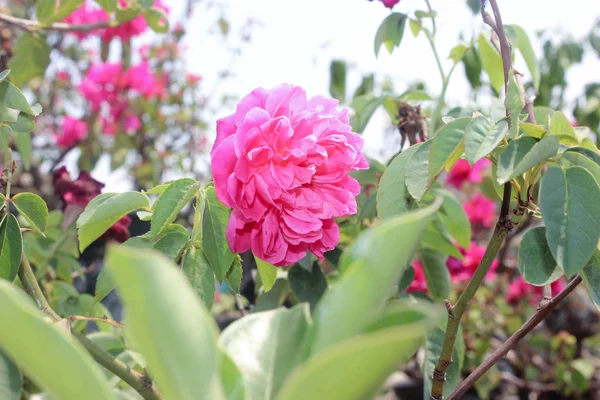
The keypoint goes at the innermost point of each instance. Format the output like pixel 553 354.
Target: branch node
pixel 449 308
pixel 438 375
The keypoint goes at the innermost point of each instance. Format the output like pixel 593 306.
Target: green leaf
pixel 24 147
pixel 5 136
pixel 156 19
pixel 11 245
pixel 581 160
pixel 447 144
pixel 472 64
pixel 434 237
pixel 234 275
pixel 33 209
pixel 364 108
pixel 104 285
pixel 592 155
pixel 267 347
pixel 344 309
pixel 189 365
pixel 568 201
pixel 171 202
pixel 454 218
pixel 30 58
pixel 415 27
pixel 543 115
pixel 103 211
pixel 200 275
pixel 337 80
pixel 232 379
pixel 514 103
pixel 48 11
pixel 436 273
pixel 307 286
pixel 23 124
pixel 267 272
pixel 356 368
pixel 392 194
pixel 591 276
pixel 533 130
pixel 172 241
pixel 274 297
pixel 536 264
pixel 521 41
pixel 214 242
pixel 10 379
pixel 457 52
pixel 107 5
pixel 390 32
pixel 417 171
pixel 45 353
pixel 561 126
pixel 491 61
pixel 433 348
pixel 523 154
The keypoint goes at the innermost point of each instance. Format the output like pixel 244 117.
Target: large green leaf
pixel 390 32
pixel 103 211
pixel 10 379
pixel 214 242
pixel 561 127
pixel 447 144
pixel 30 58
pixel 571 212
pixel 536 264
pixel 188 368
pixel 436 273
pixel 200 275
pixel 514 104
pixel 354 369
pixel 371 267
pixel 591 276
pixel 523 154
pixel 417 171
pixel 235 274
pixel 33 209
pixel 521 41
pixel 454 218
pixel 267 347
pixel 392 195
pixel 435 237
pixel 24 123
pixel 48 11
pixel 364 108
pixel 307 286
pixel 172 241
pixel 232 379
pixel 482 136
pixel 433 348
pixel 491 61
pixel 46 354
pixel 171 201
pixel 581 160
pixel 10 247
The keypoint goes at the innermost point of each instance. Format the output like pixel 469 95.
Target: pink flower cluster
pixel 481 211
pixel 73 132
pixel 106 84
pixel 460 270
pixel 87 14
pixel 519 289
pixel 282 163
pixel 462 172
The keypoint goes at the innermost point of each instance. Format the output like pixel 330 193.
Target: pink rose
pixel 73 132
pixel 481 211
pixel 462 172
pixel 282 163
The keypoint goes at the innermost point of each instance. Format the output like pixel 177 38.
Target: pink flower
pixel 390 3
pixel 80 191
pixel 462 172
pixel 86 15
pixel 193 78
pixel 282 162
pixel 132 123
pixel 461 270
pixel 141 79
pixel 119 231
pixel 102 83
pixel 481 211
pixel 74 131
pixel 62 76
pixel 519 289
pixel 419 284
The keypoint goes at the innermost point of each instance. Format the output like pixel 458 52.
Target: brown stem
pixel 534 321
pixel 32 26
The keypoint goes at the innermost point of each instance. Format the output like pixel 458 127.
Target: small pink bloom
pixel 461 270
pixel 519 289
pixel 481 211
pixel 193 78
pixel 462 172
pixel 419 284
pixel 73 132
pixel 282 162
pixel 574 123
pixel 62 76
pixel 132 124
pixel 390 3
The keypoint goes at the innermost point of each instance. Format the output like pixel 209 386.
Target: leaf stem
pixel 96 319
pixel 534 321
pixel 141 383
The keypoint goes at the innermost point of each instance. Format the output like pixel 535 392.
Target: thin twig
pixel 104 319
pixel 534 321
pixel 32 26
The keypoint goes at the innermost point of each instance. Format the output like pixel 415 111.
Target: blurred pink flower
pixel 193 78
pixel 390 3
pixel 480 210
pixel 282 162
pixel 84 15
pixel 462 172
pixel 418 284
pixel 62 76
pixel 73 132
pixel 519 289
pixel 80 191
pixel 461 270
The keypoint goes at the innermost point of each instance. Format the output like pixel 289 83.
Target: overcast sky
pixel 296 40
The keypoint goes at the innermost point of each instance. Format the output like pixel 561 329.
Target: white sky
pixel 298 38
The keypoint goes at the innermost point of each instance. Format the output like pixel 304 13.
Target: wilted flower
pixel 480 210
pixel 80 191
pixel 462 172
pixel 282 162
pixel 73 132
